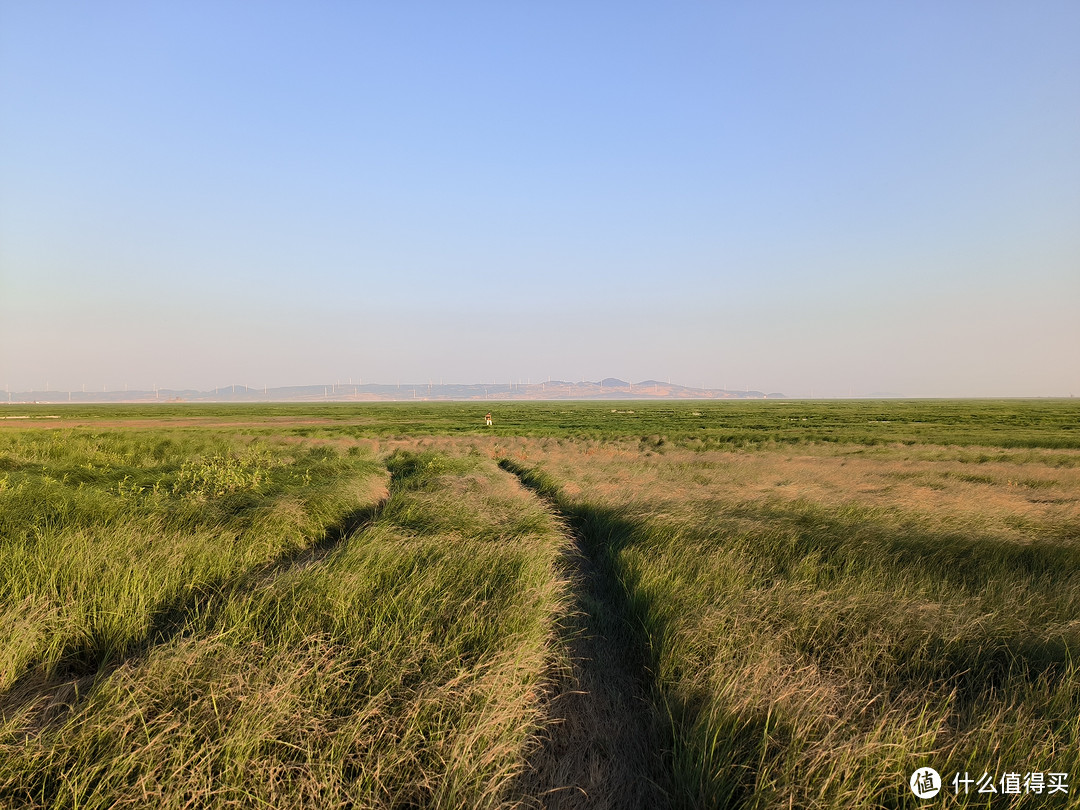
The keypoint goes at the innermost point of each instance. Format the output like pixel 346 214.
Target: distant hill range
pixel 608 388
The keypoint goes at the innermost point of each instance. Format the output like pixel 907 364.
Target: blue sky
pixel 823 198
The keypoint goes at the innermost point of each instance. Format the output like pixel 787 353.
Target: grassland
pixel 707 424
pixel 734 604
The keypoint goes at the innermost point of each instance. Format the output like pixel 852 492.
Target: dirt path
pixel 603 745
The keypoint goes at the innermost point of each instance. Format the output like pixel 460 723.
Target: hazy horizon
pixel 495 390
pixel 833 199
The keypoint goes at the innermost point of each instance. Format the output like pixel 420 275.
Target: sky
pixel 826 199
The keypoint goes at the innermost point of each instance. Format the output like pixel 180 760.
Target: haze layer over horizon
pixel 839 199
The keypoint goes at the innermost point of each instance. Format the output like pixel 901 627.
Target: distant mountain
pixel 607 388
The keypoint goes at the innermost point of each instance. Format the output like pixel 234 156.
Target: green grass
pixel 781 603
pixel 272 641
pixel 700 424
pixel 103 543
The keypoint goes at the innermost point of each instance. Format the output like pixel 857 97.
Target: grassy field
pixel 706 424
pixel 605 604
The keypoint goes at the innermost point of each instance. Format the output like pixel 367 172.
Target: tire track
pixel 51 697
pixel 603 745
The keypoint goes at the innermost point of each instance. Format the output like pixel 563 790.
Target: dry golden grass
pixel 823 622
pixel 945 489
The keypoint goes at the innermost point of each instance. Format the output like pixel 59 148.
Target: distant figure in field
pixel 487 419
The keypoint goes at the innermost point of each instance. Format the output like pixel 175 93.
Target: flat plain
pixel 589 604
